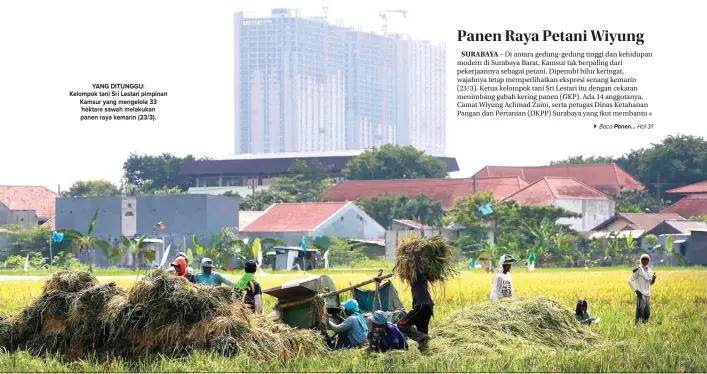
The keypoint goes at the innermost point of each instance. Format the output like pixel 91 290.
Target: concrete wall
pixel 182 216
pixel 351 222
pixel 24 218
pixel 593 212
pixel 697 248
pixel 393 238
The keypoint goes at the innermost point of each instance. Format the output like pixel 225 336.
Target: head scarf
pixel 645 256
pixel 180 266
pixel 184 256
pixel 351 306
pixel 505 259
pixel 379 317
pixel 578 309
pixel 206 262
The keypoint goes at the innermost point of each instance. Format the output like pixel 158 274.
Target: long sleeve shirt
pixel 351 327
pixel 420 287
pixel 502 286
pixel 640 280
pixel 212 279
pixel 584 318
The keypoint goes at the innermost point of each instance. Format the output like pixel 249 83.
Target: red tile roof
pixel 40 199
pixel 607 178
pixel 697 188
pixel 445 190
pixel 413 224
pixel 298 217
pixel 691 206
pixel 547 190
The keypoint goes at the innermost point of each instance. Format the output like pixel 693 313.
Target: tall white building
pixel 305 85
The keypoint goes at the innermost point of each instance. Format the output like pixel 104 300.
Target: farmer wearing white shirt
pixel 641 281
pixel 502 285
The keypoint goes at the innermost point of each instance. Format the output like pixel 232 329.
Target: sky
pixel 186 49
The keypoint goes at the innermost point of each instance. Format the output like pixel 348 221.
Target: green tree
pixel 92 188
pixel 261 200
pixel 637 202
pixel 384 208
pixel 22 241
pixel 679 160
pixel 88 242
pixel 651 241
pixel 394 162
pixel 307 182
pixel 580 160
pixel 162 171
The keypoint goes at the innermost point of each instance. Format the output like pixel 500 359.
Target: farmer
pixel 641 281
pixel 209 277
pixel 502 285
pixel 385 336
pixel 415 324
pixel 180 269
pixel 353 331
pixel 250 289
pixel 581 313
pixel 190 270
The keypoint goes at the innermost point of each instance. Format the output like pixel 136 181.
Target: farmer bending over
pixel 502 285
pixel 416 323
pixel 252 295
pixel 580 312
pixel 180 269
pixel 641 281
pixel 353 331
pixel 385 336
pixel 208 277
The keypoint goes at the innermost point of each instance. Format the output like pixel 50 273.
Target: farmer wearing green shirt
pixel 208 277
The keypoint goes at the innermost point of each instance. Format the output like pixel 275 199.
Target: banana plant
pixel 669 250
pixel 86 243
pixel 211 252
pixel 135 247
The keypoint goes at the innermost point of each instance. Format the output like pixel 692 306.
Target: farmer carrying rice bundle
pixel 502 285
pixel 420 262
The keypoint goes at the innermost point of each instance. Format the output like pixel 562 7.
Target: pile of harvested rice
pixel 75 316
pixel 507 324
pixel 437 257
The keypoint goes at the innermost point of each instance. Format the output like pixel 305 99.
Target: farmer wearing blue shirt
pixel 353 332
pixel 208 277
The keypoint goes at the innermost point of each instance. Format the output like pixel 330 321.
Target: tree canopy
pixel 161 171
pixel 92 188
pixel 394 162
pixel 384 208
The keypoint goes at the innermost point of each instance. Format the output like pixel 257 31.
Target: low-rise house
pixel 607 178
pixel 636 221
pixel 689 206
pixel 593 206
pixel 245 217
pixel 695 249
pixel 289 222
pixel 408 224
pixel 445 190
pixel 27 206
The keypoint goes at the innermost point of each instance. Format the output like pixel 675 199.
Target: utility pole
pixel 658 185
pixel 473 178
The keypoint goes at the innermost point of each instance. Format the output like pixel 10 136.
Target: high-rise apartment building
pixel 305 85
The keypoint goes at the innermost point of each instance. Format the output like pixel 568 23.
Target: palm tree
pixel 88 242
pixel 135 247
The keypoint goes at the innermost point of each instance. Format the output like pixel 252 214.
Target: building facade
pixel 305 85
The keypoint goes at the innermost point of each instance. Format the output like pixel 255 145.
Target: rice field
pixel 675 340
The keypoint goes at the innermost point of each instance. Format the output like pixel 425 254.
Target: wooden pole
pixel 334 293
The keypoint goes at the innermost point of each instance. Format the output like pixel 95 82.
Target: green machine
pixel 300 293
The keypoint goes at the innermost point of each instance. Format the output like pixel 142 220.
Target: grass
pixel 674 341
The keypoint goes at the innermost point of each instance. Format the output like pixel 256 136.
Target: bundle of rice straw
pixel 437 258
pixel 162 314
pixel 507 325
